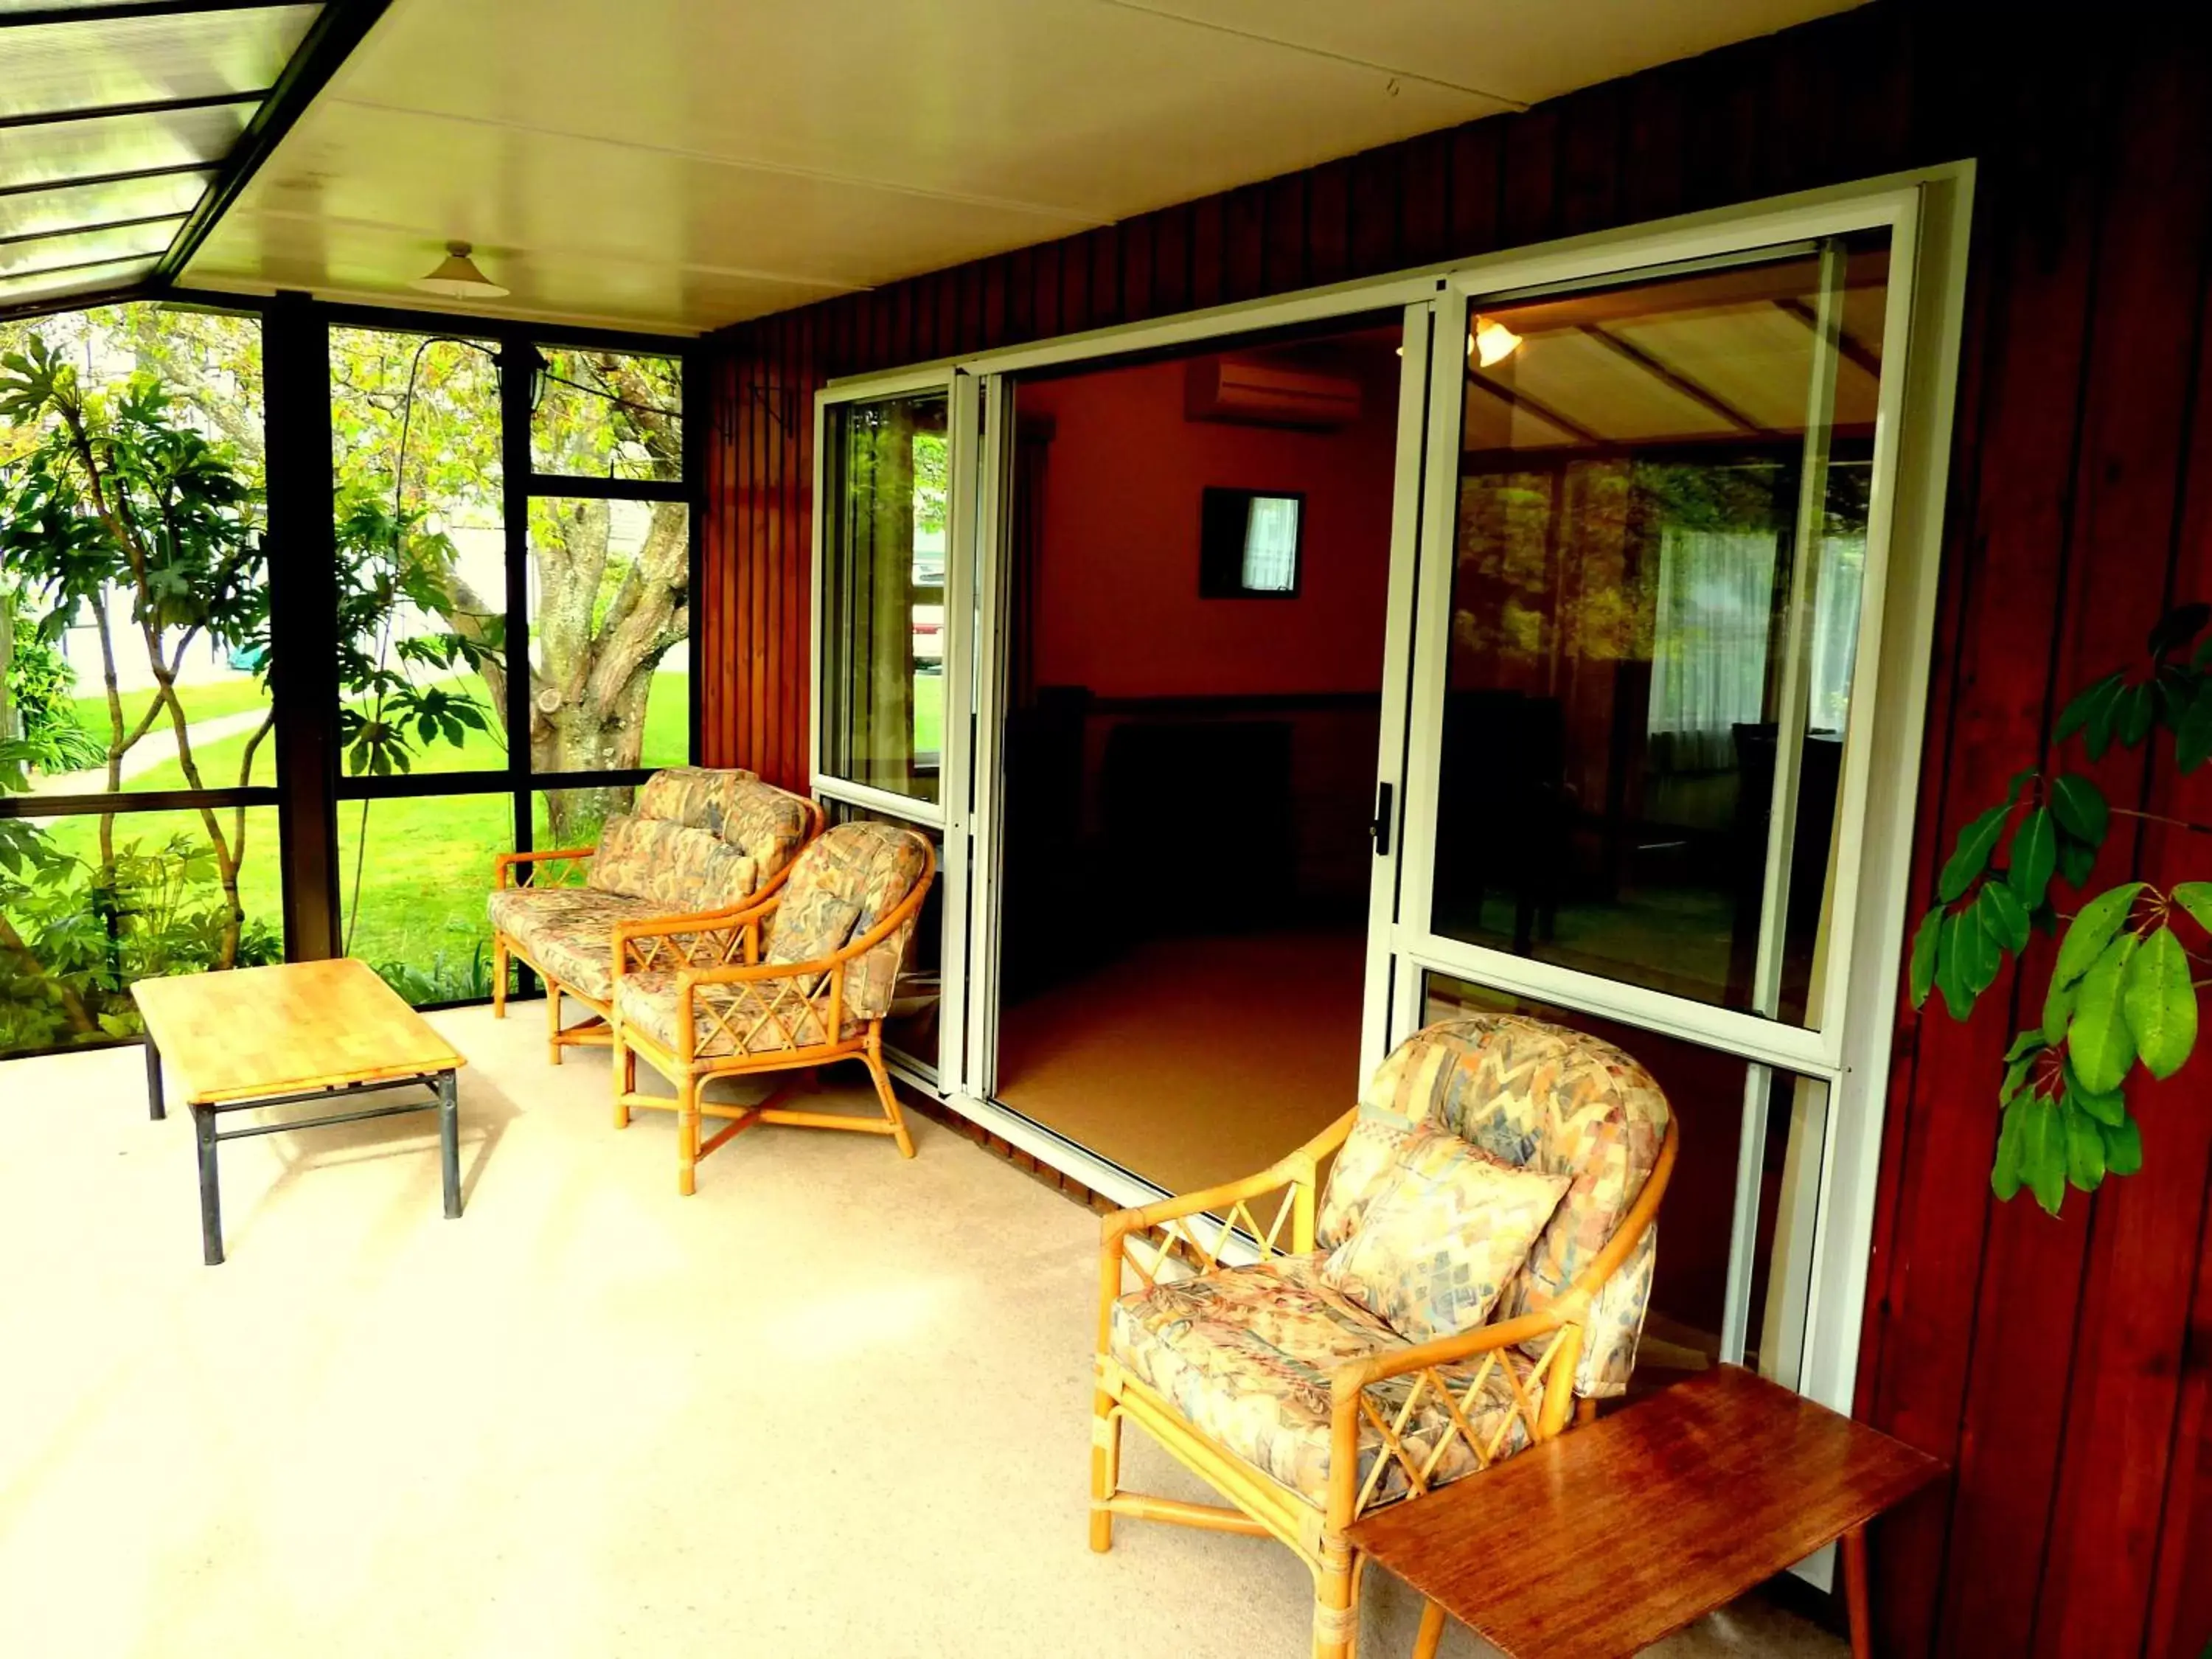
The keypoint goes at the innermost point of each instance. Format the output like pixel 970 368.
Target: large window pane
pixel 91 903
pixel 140 637
pixel 421 553
pixel 413 875
pixel 1706 1090
pixel 883 632
pixel 1661 535
pixel 565 819
pixel 609 626
pixel 608 415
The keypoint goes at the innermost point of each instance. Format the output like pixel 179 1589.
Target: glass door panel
pixel 883 594
pixel 1659 535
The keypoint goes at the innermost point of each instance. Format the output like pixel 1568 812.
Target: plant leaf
pixel 2043 1150
pixel 1924 943
pixel 2078 862
pixel 2034 857
pixel 2087 704
pixel 2135 713
pixel 2080 807
pixel 2195 897
pixel 2178 626
pixel 2105 1109
pixel 2100 1039
pixel 2024 1044
pixel 2085 1149
pixel 2160 1004
pixel 2092 930
pixel 1971 855
pixel 2193 738
pixel 2123 1147
pixel 2058 1009
pixel 2004 1172
pixel 1983 959
pixel 2003 917
pixel 1950 961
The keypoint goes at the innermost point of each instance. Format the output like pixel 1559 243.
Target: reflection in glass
pixel 608 415
pixel 1660 547
pixel 609 619
pixel 92 904
pixel 1706 1090
pixel 912 1031
pixel 883 624
pixel 421 554
pixel 413 873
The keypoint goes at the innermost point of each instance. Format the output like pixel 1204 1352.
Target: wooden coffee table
pixel 1603 1540
pixel 279 1036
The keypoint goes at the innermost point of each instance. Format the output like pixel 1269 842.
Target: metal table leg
pixel 210 1197
pixel 449 1136
pixel 153 1079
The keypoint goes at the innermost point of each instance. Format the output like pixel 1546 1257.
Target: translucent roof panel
pixel 106 201
pixel 100 62
pixel 80 247
pixel 52 152
pixel 81 279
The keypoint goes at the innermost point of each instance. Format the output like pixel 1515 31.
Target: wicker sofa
pixel 698 843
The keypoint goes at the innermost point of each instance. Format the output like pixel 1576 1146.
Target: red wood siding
pixel 2065 1368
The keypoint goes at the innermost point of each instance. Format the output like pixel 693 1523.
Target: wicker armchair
pixel 697 842
pixel 802 978
pixel 1305 1408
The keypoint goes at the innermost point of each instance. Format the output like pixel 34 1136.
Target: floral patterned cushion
pixel 697 796
pixel 681 870
pixel 846 881
pixel 758 1018
pixel 1448 1228
pixel 1544 1097
pixel 1245 1353
pixel 568 933
pixel 766 824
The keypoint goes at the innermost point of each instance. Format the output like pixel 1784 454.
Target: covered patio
pixel 1490 638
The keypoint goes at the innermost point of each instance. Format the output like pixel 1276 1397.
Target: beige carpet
pixel 1193 1061
pixel 835 1404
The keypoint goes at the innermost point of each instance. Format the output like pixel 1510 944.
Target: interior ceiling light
pixel 1493 342
pixel 457 278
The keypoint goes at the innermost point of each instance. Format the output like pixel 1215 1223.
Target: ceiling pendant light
pixel 457 277
pixel 1493 342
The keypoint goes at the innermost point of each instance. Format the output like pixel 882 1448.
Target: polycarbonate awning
pixel 124 124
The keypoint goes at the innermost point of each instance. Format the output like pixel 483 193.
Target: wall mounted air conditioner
pixel 1260 393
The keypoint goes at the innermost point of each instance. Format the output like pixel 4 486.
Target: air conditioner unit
pixel 1256 392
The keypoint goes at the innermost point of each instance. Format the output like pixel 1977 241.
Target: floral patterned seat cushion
pixel 766 824
pixel 846 881
pixel 568 932
pixel 680 869
pixel 1538 1096
pixel 1448 1230
pixel 764 1018
pixel 1245 1353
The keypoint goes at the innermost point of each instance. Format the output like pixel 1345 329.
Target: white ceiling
pixel 677 165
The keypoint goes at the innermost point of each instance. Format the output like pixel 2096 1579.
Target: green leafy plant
pixel 2129 972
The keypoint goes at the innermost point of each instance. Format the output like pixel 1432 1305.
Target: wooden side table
pixel 1600 1542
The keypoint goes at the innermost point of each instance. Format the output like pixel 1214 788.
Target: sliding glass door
pixel 1646 638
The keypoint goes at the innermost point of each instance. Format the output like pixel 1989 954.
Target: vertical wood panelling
pixel 2063 1368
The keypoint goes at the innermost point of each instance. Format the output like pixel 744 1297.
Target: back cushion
pixel 766 824
pixel 696 797
pixel 685 870
pixel 844 883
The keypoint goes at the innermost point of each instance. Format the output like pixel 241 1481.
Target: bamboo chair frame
pixel 1189 1233
pixel 597 1032
pixel 726 951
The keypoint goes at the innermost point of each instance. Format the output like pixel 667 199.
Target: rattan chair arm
pixel 1353 1376
pixel 503 864
pixel 1301 1165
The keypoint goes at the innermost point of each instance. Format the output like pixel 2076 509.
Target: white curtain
pixel 1716 605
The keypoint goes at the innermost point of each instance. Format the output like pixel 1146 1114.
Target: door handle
pixel 1380 828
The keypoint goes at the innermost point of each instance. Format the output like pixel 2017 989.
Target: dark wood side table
pixel 1600 1542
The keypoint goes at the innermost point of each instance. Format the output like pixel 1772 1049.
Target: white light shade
pixel 1493 342
pixel 457 278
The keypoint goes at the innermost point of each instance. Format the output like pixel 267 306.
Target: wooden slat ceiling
pixel 678 164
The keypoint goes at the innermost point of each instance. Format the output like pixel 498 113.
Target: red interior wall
pixel 2064 1369
pixel 1117 605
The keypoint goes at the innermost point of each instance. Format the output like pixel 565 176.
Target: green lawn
pixel 424 865
pixel 211 701
pixel 929 714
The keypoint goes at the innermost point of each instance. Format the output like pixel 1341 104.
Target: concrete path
pixel 157 748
